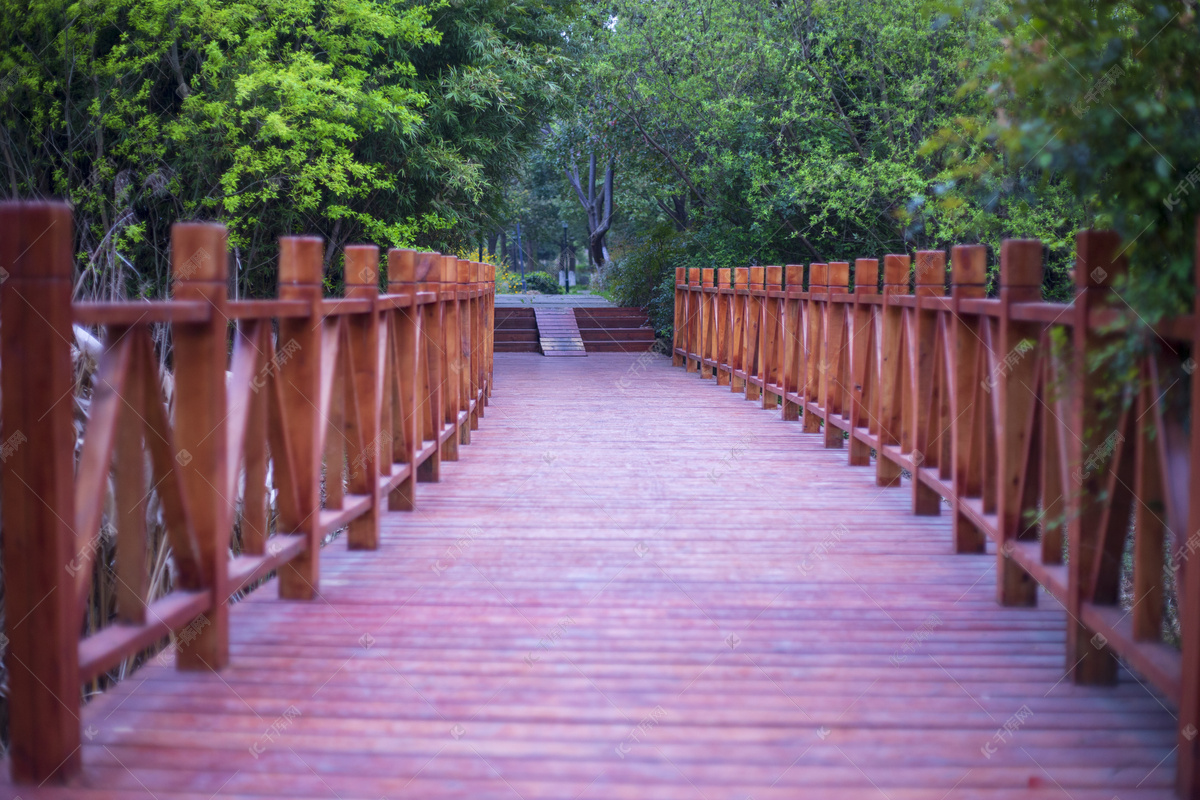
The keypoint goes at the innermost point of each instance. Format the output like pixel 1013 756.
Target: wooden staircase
pixel 558 335
pixel 615 330
pixel 516 330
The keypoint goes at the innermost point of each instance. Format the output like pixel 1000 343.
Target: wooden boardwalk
pixel 633 585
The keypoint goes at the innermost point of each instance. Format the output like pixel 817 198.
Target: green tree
pixel 366 120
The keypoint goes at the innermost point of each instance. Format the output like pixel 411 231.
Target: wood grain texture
pixel 570 615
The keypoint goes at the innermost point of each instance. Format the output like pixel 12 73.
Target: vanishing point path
pixel 636 586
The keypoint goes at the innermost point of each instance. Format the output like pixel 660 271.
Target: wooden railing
pixel 350 399
pixel 1029 422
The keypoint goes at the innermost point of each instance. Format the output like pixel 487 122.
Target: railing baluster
pixel 862 320
pixel 770 324
pixel 793 341
pixel 200 267
pixel 968 266
pixel 299 379
pixel 930 281
pixel 833 356
pixel 39 593
pixel 362 360
pixel 1097 264
pixel 891 368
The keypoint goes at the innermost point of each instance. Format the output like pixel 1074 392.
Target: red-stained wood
pixel 892 374
pixel 972 388
pixel 403 354
pixel 427 271
pixel 364 410
pixel 200 270
pixel 296 376
pixel 502 644
pixel 1098 262
pixel 41 613
pixel 1187 780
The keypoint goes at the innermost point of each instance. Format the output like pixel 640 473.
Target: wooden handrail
pixel 380 387
pixel 1001 413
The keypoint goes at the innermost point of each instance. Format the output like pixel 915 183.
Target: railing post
pixel 833 358
pixel 1097 263
pixel 769 324
pixel 490 277
pixel 724 307
pixel 463 303
pixel 968 268
pixel 200 266
pixel 364 391
pixel 866 284
pixel 1020 282
pixel 754 354
pixel 448 300
pixel 691 310
pixel 406 334
pixel 478 339
pixel 891 368
pixel 430 384
pixel 1187 776
pixel 928 439
pixel 793 341
pixel 678 335
pixel 814 357
pixel 300 272
pixel 707 302
pixel 737 331
pixel 43 622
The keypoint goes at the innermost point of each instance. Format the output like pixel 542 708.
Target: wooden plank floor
pixel 635 585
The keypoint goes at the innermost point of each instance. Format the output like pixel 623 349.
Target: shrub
pixel 643 275
pixel 541 282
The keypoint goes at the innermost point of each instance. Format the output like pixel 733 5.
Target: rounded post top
pixel 401 266
pixel 968 265
pixel 426 266
pixel 818 276
pixel 36 240
pixel 895 270
pixel 866 276
pixel 301 260
pixel 838 274
pixel 1096 259
pixel 931 268
pixel 362 265
pixel 198 252
pixel 1021 264
pixel 793 276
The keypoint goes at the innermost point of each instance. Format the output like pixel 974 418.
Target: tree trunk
pixel 677 211
pixel 597 206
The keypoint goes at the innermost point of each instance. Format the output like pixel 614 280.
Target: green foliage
pixel 642 273
pixel 377 120
pixel 792 131
pixel 1105 95
pixel 540 282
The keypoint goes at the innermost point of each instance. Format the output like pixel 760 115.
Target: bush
pixel 643 275
pixel 541 282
